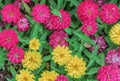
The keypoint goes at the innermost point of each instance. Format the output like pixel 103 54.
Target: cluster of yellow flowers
pixel 74 65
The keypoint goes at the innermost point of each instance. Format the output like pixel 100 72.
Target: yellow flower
pixel 115 34
pixel 32 60
pixel 61 55
pixel 48 76
pixel 76 67
pixel 25 75
pixel 34 44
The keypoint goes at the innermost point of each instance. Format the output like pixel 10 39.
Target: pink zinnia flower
pixel 18 3
pixel 108 73
pixel 16 55
pixel 89 27
pixel 8 38
pixel 10 13
pixel 109 13
pixel 87 10
pixel 41 13
pixel 100 41
pixel 113 57
pixel 61 78
pixel 58 38
pixel 23 24
pixel 59 23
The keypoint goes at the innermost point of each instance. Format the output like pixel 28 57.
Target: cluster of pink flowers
pixel 9 40
pixel 88 11
pixel 61 78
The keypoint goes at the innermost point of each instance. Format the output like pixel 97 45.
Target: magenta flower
pixel 41 13
pixel 58 38
pixel 109 13
pixel 61 78
pixel 10 13
pixel 87 10
pixel 59 23
pixel 23 24
pixel 99 41
pixel 8 38
pixel 108 73
pixel 18 3
pixel 113 57
pixel 89 27
pixel 26 1
pixel 16 55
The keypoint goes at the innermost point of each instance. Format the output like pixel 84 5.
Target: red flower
pixel 59 23
pixel 87 10
pixel 109 13
pixel 8 38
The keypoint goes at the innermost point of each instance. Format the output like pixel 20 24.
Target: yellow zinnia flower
pixel 115 34
pixel 32 60
pixel 25 75
pixel 48 76
pixel 34 44
pixel 76 67
pixel 61 55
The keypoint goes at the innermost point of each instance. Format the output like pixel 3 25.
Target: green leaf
pixel 93 71
pixel 42 1
pixel 74 2
pixel 56 12
pixel 27 8
pixel 12 70
pixel 113 1
pixel 102 59
pixel 68 31
pixel 60 4
pixel 90 63
pixel 47 58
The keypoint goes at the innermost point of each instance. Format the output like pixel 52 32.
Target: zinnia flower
pixel 8 38
pixel 41 13
pixel 61 78
pixel 61 55
pixel 109 13
pixel 23 24
pixel 59 23
pixel 115 34
pixel 113 57
pixel 16 55
pixel 99 41
pixel 76 67
pixel 34 44
pixel 27 1
pixel 48 76
pixel 25 75
pixel 58 38
pixel 99 2
pixel 10 13
pixel 89 27
pixel 32 60
pixel 18 3
pixel 108 73
pixel 87 10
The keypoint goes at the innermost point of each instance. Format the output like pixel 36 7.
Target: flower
pixel 32 60
pixel 25 75
pixel 76 67
pixel 34 44
pixel 41 13
pixel 115 34
pixel 99 2
pixel 59 23
pixel 99 41
pixel 89 27
pixel 61 78
pixel 109 13
pixel 10 13
pixel 61 54
pixel 108 73
pixel 18 3
pixel 48 76
pixel 58 38
pixel 87 10
pixel 113 57
pixel 8 38
pixel 23 24
pixel 16 54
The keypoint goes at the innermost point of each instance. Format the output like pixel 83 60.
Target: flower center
pixel 60 19
pixel 89 12
pixel 41 13
pixel 25 79
pixel 8 39
pixel 89 27
pixel 11 14
pixel 16 55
